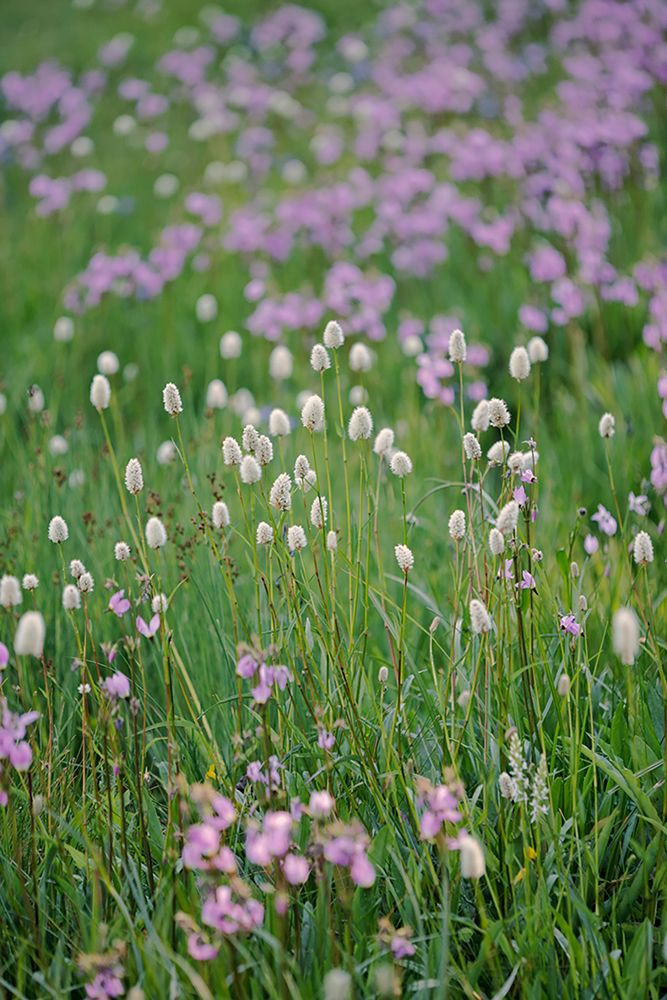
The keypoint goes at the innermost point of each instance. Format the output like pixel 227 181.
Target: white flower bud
pixel 361 424
pixel 100 392
pixel 642 548
pixel 519 364
pixel 607 425
pixel 279 424
pixel 134 477
pixel 171 399
pixel 625 635
pixel 538 351
pixel 156 534
pixel 312 414
pixel 404 558
pixel 58 531
pixel 231 452
pixel 319 358
pixel 71 597
pixel 220 515
pixel 30 633
pixel 457 525
pixel 457 347
pixel 216 395
pixel 296 538
pixel 333 336
pixel 401 464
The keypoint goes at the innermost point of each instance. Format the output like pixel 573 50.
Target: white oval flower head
pixel 472 858
pixel 404 558
pixel 607 425
pixel 625 635
pixel 250 470
pixel 319 358
pixel 480 417
pixel 100 392
pixel 480 620
pixel 458 350
pixel 30 634
pixel 499 415
pixel 134 477
pixel 86 583
pixel 496 542
pixel 216 395
pixel 171 399
pixel 333 336
pixel 263 450
pixel 457 525
pixel 58 445
pixel 642 548
pixel 76 568
pixel 63 330
pixel 319 512
pixel 296 538
pixel 506 785
pixel 230 345
pixel 29 581
pixel 361 359
pixel 249 438
pixel 36 401
pixel 538 352
pixel 279 424
pixel 401 464
pixel 121 551
pixel 264 533
pixel 471 447
pixel 166 453
pixel 508 518
pixel 58 531
pixel 332 541
pixel 281 363
pixel 206 308
pixel 515 462
pixel 156 533
pixel 71 597
pixel 108 363
pixel 337 985
pixel 312 414
pixel 220 515
pixel 280 495
pixel 519 365
pixel 498 452
pixel 360 425
pixel 231 452
pixel 10 592
pixel 384 442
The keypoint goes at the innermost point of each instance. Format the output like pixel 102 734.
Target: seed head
pixel 58 531
pixel 220 515
pixel 458 351
pixel 171 399
pixel 100 392
pixel 519 364
pixel 333 336
pixel 30 633
pixel 361 424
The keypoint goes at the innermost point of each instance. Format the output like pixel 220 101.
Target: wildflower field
pixel 333 475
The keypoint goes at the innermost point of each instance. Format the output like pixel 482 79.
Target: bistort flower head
pixel 480 620
pixel 401 464
pixel 171 399
pixel 625 635
pixel 100 392
pixel 607 425
pixel 220 515
pixel 361 424
pixel 30 634
pixel 642 548
pixel 404 558
pixel 312 414
pixel 134 477
pixel 333 336
pixel 519 365
pixel 58 531
pixel 156 533
pixel 457 347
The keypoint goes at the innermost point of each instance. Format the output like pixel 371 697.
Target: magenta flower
pixel 230 913
pixel 569 624
pixel 295 869
pixel 246 666
pixel 200 949
pixel 401 947
pixel 527 581
pixel 119 603
pixel 605 521
pixel 149 629
pixel 639 505
pixel 441 807
pixel 520 495
pixel 117 686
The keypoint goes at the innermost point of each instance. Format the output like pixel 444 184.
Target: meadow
pixel 333 489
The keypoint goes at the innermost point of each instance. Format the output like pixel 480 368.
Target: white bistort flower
pixel 361 359
pixel 279 424
pixel 86 583
pixel 404 558
pixel 457 525
pixel 249 437
pixel 108 363
pixel 230 345
pixel 384 442
pixel 159 604
pixel 333 336
pixel 332 541
pixel 496 542
pixel 263 450
pixel 71 597
pixel 498 452
pixel 165 453
pixel 607 425
pixel 296 538
pixel 472 857
pixel 30 581
pixel 280 495
pixel 319 358
pixel 30 634
pixel 499 415
pixel 220 515
pixel 121 551
pixel 231 452
pixel 519 365
pixel 216 395
pixel 63 329
pixel 58 531
pixel 625 635
pixel 304 476
pixel 281 363
pixel 642 548
pixel 318 512
pixel 480 417
pixel 457 347
pixel 312 414
pixel 250 471
pixel 206 308
pixel 100 392
pixel 264 534
pixel 538 351
pixel 471 447
pixel 508 518
pixel 171 399
pixel 10 591
pixel 156 533
pixel 401 464
pixel 360 425
pixel 76 568
pixel 480 620
pixel 134 477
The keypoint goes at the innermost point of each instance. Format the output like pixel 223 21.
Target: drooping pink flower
pixel 119 603
pixel 149 629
